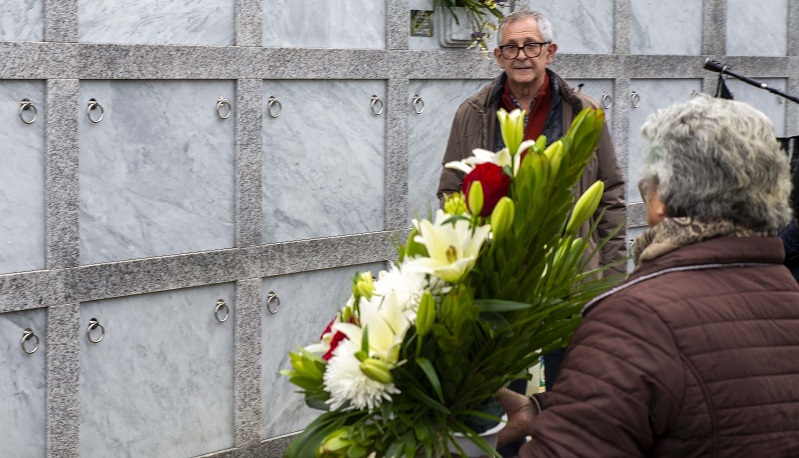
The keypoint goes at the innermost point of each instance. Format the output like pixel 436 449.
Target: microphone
pixel 714 66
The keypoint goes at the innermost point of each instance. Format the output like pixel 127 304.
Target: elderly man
pixel 695 354
pixel 525 48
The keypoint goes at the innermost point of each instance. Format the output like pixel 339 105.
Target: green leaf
pixel 432 377
pixel 498 305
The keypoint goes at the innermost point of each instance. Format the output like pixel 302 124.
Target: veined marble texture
pixel 308 301
pixel 770 104
pixel 580 26
pixel 157 173
pixel 652 94
pixel 324 24
pixel 160 383
pixel 21 177
pixel 21 20
pixel 757 28
pixel 672 28
pixel 175 22
pixel 22 385
pixel 599 90
pixel 323 162
pixel 428 135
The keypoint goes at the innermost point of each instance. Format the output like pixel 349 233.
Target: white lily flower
pixel 501 158
pixel 453 247
pixel 387 321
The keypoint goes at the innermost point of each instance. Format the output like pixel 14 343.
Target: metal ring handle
pixel 635 99
pixel 220 305
pixel 27 335
pixel 376 104
pixel 606 100
pixel 270 298
pixel 95 105
pixel 271 103
pixel 27 105
pixel 418 104
pixel 94 324
pixel 221 103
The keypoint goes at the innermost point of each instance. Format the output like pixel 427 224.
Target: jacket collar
pixel 710 254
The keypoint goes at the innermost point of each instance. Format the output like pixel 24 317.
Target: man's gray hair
pixel 544 26
pixel 718 158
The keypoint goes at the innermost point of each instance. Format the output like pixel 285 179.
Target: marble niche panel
pixel 22 384
pixel 772 105
pixel 455 34
pixel 428 135
pixel 668 28
pixel 580 26
pixel 647 96
pixel 21 176
pixel 307 303
pixel 160 382
pixel 21 20
pixel 157 172
pixel 161 22
pixel 757 28
pixel 599 90
pixel 324 24
pixel 324 155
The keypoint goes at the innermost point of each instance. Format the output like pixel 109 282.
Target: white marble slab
pixel 308 301
pixel 21 177
pixel 771 104
pixel 176 22
pixel 757 28
pixel 428 136
pixel 21 20
pixel 347 24
pixel 599 90
pixel 157 173
pixel 160 383
pixel 652 95
pixel 580 26
pixel 22 385
pixel 669 28
pixel 324 155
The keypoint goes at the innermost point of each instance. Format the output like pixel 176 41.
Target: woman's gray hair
pixel 718 158
pixel 544 26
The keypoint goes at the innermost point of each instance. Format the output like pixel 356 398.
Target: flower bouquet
pixel 483 16
pixel 477 294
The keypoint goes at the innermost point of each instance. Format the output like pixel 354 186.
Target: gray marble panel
pixel 325 24
pixel 160 383
pixel 434 42
pixel 175 22
pixel 324 156
pixel 428 135
pixel 21 177
pixel 22 20
pixel 670 28
pixel 157 173
pixel 599 90
pixel 308 301
pixel 22 385
pixel 652 95
pixel 772 105
pixel 757 28
pixel 581 26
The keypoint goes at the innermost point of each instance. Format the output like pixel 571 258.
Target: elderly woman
pixel 697 353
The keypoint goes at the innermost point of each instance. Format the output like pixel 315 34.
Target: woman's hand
pixel 521 414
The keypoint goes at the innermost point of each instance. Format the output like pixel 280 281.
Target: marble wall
pixel 255 153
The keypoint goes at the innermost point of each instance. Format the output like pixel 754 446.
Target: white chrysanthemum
pixel 409 286
pixel 345 381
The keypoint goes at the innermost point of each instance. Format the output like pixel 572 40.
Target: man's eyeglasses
pixel 531 50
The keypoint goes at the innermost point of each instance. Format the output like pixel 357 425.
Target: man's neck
pixel 525 93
